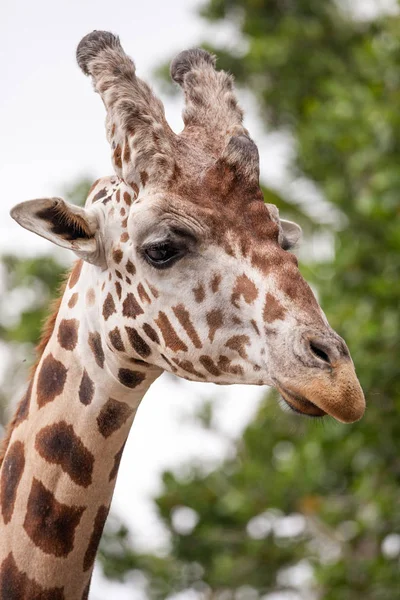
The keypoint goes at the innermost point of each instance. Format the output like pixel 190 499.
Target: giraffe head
pixel 190 270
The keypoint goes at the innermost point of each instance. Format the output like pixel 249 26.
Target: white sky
pixel 52 132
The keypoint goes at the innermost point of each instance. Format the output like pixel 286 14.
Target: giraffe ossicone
pixel 182 267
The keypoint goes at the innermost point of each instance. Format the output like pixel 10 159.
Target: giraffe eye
pixel 162 255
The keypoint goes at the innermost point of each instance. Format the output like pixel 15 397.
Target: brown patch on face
pixel 226 366
pixel 184 319
pixel 116 340
pixel 68 334
pixel 51 380
pixel 118 196
pixel 108 307
pixel 255 327
pixel 199 293
pixel 127 152
pixel 215 283
pixel 86 389
pixel 131 379
pixel 143 295
pixel 273 309
pixel 209 365
pixel 124 223
pixel 188 366
pixel 50 524
pixel 130 307
pixel 151 333
pixel 75 274
pixel 117 255
pixel 124 238
pixel 96 347
pixel 238 343
pixel 245 288
pixel 130 267
pixel 112 416
pixel 128 280
pixel 118 289
pixel 138 343
pixel 11 473
pixel 117 157
pixel 16 585
pixel 144 177
pixel 118 274
pixel 171 338
pixel 214 321
pixel 58 444
pixel 98 527
pixel 127 198
pixel 73 300
pixel 117 461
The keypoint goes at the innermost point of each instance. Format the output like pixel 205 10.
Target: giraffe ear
pixel 64 224
pixel 291 234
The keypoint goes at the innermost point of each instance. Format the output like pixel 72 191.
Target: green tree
pixel 300 498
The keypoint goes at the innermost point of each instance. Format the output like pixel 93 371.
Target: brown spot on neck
pixel 98 527
pixel 14 464
pixel 75 274
pixel 73 300
pixel 112 416
pixel 51 380
pixel 131 379
pixel 15 585
pixel 86 389
pixel 58 444
pixel 68 333
pixel 117 255
pixel 116 339
pixel 52 530
pixel 96 347
pixel 108 307
pixel 137 342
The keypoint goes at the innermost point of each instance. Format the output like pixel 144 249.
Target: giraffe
pixel 181 267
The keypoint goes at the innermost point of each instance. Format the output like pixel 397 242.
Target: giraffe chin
pixel 300 405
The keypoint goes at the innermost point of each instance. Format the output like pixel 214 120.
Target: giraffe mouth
pixel 299 404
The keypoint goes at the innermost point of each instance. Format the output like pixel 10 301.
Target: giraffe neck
pixel 62 460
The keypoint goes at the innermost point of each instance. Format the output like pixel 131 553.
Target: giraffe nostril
pixel 319 352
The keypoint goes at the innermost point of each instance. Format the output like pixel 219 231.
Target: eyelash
pixel 162 262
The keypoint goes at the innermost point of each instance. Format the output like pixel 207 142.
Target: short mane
pixel 47 331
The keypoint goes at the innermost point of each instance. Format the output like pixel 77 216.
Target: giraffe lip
pixel 299 404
